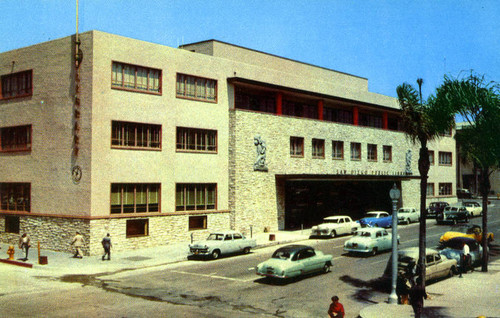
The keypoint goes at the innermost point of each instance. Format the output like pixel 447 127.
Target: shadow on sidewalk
pixel 366 289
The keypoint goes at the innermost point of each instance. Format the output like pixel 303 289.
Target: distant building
pixel 156 145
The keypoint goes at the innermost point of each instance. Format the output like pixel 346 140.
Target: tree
pixel 422 122
pixel 478 102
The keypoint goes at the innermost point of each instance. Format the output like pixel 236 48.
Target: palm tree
pixel 478 102
pixel 422 122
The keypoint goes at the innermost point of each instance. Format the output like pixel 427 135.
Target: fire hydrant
pixel 11 252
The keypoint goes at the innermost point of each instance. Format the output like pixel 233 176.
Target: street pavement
pixel 475 294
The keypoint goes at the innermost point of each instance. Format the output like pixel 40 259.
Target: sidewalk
pixel 64 264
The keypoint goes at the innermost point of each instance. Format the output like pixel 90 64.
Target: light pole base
pixel 393 298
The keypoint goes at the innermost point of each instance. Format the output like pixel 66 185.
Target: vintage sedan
pixel 369 241
pixel 435 208
pixel 408 215
pixel 453 249
pixel 473 207
pixel 473 231
pixel 335 225
pixel 436 265
pixel 224 242
pixel 294 260
pixel 453 214
pixel 377 219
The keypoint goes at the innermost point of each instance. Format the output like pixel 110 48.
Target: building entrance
pixel 308 202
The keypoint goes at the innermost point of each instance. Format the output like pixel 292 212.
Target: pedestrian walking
pixel 24 245
pixel 77 243
pixel 106 244
pixel 336 309
pixel 417 295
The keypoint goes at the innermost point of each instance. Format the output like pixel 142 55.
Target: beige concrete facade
pixel 246 199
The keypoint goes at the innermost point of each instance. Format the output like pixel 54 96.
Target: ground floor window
pixel 192 196
pixel 430 189
pixel 135 197
pixel 445 189
pixel 11 224
pixel 337 149
pixel 387 153
pixel 318 148
pixel 296 146
pixel 137 227
pixel 15 196
pixel 198 222
pixel 372 152
pixel 355 151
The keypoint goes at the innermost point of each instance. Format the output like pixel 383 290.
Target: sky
pixel 387 42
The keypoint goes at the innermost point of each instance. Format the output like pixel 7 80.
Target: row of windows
pixel 318 150
pixel 443 189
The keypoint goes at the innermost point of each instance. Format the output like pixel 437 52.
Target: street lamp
pixel 394 194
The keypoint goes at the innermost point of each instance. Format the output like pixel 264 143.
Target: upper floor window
pixel 337 149
pixel 191 196
pixel 444 158
pixel 260 101
pixel 198 140
pixel 430 189
pixel 198 88
pixel 387 153
pixel 297 146
pixel 355 151
pixel 299 109
pixel 17 84
pixel 370 120
pixel 337 115
pixel 431 157
pixel 136 78
pixel 135 135
pixel 372 152
pixel 135 197
pixel 445 189
pixel 318 148
pixel 15 196
pixel 15 138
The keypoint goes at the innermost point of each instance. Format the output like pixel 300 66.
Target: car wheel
pixel 354 229
pixel 374 251
pixel 326 268
pixel 333 234
pixel 215 254
pixel 246 250
pixel 376 225
pixel 407 221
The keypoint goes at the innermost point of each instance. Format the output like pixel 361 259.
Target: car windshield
pixel 331 220
pixel 215 237
pixel 280 254
pixel 363 233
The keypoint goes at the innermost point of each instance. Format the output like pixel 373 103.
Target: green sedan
pixel 294 260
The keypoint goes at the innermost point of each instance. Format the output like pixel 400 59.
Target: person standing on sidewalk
pixel 106 244
pixel 78 243
pixel 417 295
pixel 336 309
pixel 24 245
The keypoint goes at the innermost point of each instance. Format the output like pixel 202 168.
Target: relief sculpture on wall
pixel 260 161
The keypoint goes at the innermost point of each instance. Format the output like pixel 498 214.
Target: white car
pixel 473 207
pixel 408 215
pixel 335 225
pixel 226 242
pixel 369 240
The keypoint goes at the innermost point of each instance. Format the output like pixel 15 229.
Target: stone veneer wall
pixel 56 233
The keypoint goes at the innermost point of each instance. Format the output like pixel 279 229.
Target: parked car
pixel 408 215
pixel 464 194
pixel 464 230
pixel 453 250
pixel 376 218
pixel 453 214
pixel 435 208
pixel 436 265
pixel 294 260
pixel 219 243
pixel 473 207
pixel 369 241
pixel 335 225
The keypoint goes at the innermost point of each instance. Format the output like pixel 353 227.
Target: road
pixel 227 287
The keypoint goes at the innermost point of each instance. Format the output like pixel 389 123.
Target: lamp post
pixel 395 194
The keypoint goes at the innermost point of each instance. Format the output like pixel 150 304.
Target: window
pixel 198 222
pixel 15 138
pixel 337 115
pixel 296 146
pixel 372 152
pixel 17 85
pixel 135 78
pixel 370 120
pixel 431 157
pixel 445 189
pixel 196 140
pixel 337 149
pixel 255 101
pixel 387 153
pixel 318 148
pixel 135 136
pixel 15 196
pixel 299 109
pixel 447 133
pixel 198 88
pixel 444 158
pixel 355 151
pixel 430 189
pixel 11 224
pixel 135 198
pixel 190 197
pixel 137 227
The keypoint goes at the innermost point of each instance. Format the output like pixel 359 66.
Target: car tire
pixel 333 234
pixel 354 229
pixel 326 268
pixel 215 254
pixel 376 225
pixel 374 251
pixel 246 250
pixel 407 221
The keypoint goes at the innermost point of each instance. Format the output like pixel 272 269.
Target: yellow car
pixel 473 231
